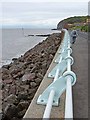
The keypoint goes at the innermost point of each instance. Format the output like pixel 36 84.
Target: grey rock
pixel 13 59
pixel 31 91
pixel 7 81
pixel 18 75
pixel 39 75
pixel 22 105
pixel 29 77
pixel 26 87
pixel 21 113
pixel 5 71
pixel 10 111
pixel 15 118
pixel 12 90
pixel 22 96
pixel 38 80
pixel 6 66
pixel 11 98
pixel 33 84
pixel 1 116
pixel 50 56
pixel 5 76
pixel 33 69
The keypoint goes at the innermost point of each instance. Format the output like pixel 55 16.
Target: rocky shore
pixel 22 77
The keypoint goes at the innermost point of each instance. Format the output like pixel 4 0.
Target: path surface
pixel 80 67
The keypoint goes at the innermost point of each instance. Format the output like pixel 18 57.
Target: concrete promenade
pixel 80 89
pixel 80 67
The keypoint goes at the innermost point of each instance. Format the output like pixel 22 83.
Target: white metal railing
pixel 68 104
pixel 63 77
pixel 50 100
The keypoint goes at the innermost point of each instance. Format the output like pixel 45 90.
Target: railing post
pixel 50 99
pixel 49 105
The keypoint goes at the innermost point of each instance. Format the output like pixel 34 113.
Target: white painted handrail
pixel 68 102
pixel 66 80
pixel 50 99
pixel 49 105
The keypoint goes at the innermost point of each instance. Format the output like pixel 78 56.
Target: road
pixel 83 34
pixel 80 67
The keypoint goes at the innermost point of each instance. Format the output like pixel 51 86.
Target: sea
pixel 14 42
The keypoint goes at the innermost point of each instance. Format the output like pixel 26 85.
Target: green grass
pixel 76 27
pixel 84 28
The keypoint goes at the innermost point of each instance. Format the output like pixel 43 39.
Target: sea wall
pixel 22 77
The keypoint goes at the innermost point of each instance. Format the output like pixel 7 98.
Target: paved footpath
pixel 80 67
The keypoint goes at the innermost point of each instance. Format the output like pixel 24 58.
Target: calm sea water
pixel 15 42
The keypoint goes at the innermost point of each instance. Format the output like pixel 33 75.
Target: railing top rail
pixel 48 96
pixel 63 79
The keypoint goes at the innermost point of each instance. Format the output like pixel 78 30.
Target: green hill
pixel 76 22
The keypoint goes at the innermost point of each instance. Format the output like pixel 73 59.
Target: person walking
pixel 73 36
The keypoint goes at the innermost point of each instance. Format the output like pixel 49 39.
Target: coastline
pixel 16 42
pixel 21 79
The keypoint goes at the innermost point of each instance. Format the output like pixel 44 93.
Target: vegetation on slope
pixel 76 22
pixel 76 19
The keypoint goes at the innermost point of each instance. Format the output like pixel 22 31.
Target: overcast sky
pixel 38 14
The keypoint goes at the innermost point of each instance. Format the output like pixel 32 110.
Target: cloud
pixel 44 1
pixel 46 23
pixel 9 21
pixel 35 14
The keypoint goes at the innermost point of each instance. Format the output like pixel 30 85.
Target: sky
pixel 37 14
